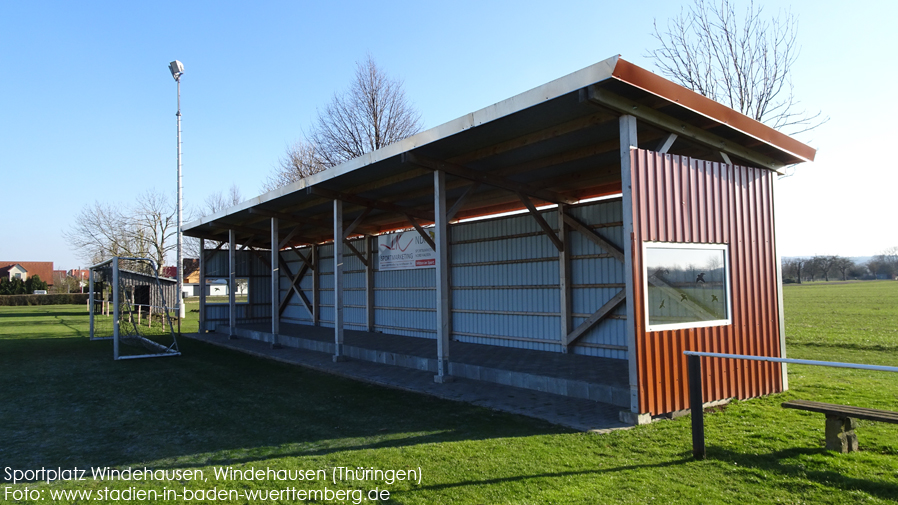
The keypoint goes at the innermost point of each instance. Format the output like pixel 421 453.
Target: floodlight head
pixel 177 68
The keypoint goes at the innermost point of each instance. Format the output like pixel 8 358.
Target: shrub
pixel 59 299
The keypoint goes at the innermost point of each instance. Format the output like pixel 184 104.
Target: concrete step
pixel 565 387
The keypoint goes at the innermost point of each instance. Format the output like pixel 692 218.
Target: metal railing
pixel 696 401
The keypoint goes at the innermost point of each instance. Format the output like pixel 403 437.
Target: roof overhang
pixel 557 143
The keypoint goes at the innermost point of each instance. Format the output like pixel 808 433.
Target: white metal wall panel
pixel 505 285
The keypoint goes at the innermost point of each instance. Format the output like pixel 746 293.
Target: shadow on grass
pixel 845 346
pixel 552 475
pixel 779 462
pixel 67 403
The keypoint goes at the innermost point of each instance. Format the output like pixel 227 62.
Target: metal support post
pixel 442 276
pixel 116 313
pixel 232 284
pixel 338 281
pixel 628 140
pixel 275 286
pixel 316 307
pixel 202 293
pixel 91 303
pixel 369 284
pixel 564 276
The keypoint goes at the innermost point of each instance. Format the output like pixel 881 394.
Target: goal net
pixel 130 306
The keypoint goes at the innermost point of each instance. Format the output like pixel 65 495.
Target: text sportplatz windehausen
pixel 355 476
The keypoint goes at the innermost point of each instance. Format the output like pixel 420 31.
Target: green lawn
pixel 65 403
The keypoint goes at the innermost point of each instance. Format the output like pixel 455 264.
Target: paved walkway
pixel 576 413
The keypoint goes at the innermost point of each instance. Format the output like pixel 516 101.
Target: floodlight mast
pixel 177 69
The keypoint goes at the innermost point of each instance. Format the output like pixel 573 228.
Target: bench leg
pixel 840 436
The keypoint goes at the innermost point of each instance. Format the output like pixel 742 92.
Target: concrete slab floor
pixel 576 413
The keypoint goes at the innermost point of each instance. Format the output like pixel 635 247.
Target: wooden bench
pixel 841 420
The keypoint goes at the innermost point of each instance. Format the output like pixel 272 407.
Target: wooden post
pixel 138 315
pixel 442 276
pixel 369 284
pixel 628 140
pixel 564 276
pixel 275 285
pixel 232 284
pixel 338 281
pixel 694 364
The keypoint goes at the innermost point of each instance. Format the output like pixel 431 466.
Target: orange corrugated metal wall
pixel 679 199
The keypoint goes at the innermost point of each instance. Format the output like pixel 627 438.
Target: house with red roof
pixel 25 269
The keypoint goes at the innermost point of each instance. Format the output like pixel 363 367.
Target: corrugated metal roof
pixel 557 142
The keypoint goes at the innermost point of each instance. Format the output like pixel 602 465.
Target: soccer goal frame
pixel 127 317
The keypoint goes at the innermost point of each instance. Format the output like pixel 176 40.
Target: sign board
pixel 404 251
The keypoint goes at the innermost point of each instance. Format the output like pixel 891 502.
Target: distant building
pixel 25 269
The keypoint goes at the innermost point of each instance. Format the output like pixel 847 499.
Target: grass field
pixel 65 403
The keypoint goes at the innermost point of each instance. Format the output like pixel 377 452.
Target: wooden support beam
pixel 533 138
pixel 306 261
pixel 594 319
pixel 665 143
pixel 349 229
pixel 364 202
pixel 660 120
pixel 294 283
pixel 286 240
pixel 595 237
pixel 298 220
pixel 259 255
pixel 422 232
pixel 458 203
pixel 355 251
pixel 485 178
pixel 542 222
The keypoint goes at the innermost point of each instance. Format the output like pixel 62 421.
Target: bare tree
pixel 221 200
pixel 374 112
pixel 744 62
pixel 824 265
pixel 154 217
pixel 148 229
pixel 844 265
pixel 213 203
pixel 299 162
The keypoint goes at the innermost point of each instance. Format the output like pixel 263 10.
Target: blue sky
pixel 88 104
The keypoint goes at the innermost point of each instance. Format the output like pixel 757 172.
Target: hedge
pixel 60 299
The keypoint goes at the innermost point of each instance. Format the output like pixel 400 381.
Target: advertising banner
pixel 404 251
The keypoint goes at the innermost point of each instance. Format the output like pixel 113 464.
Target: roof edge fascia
pixel 650 82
